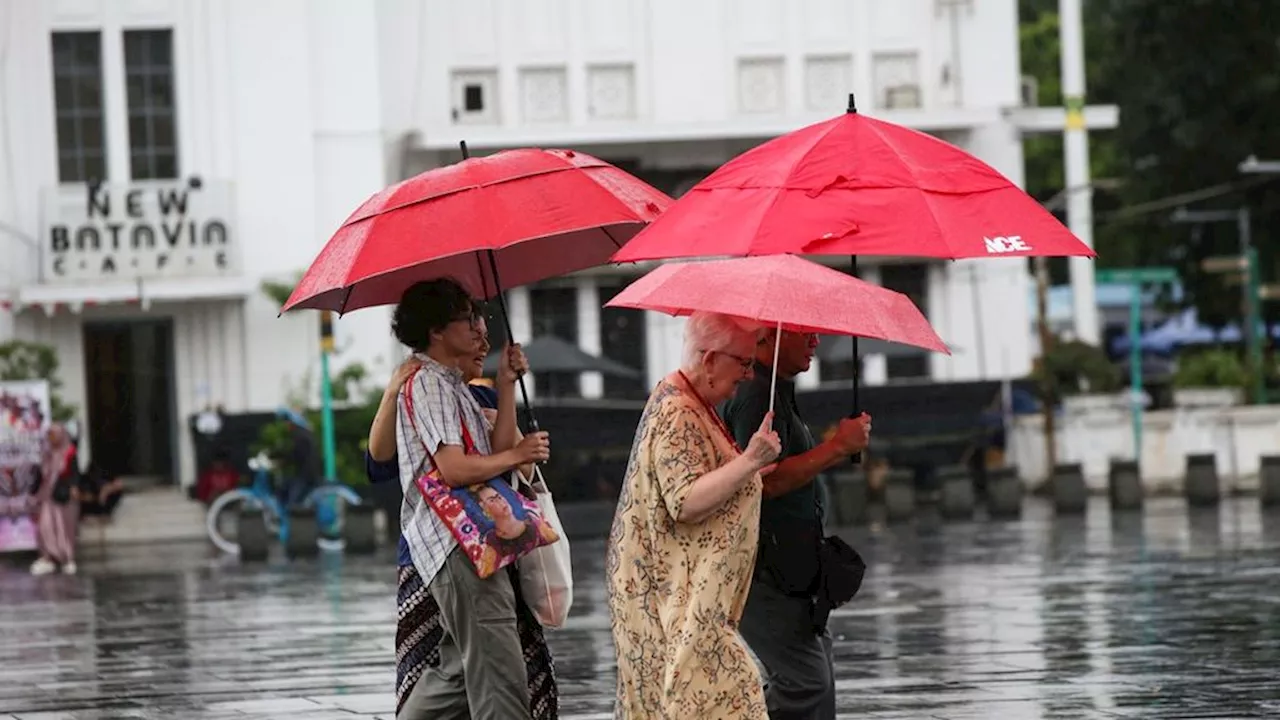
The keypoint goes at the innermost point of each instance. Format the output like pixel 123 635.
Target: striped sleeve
pixel 436 412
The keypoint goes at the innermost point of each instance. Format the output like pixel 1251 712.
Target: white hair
pixel 706 331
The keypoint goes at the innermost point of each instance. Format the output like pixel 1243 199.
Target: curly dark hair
pixel 428 307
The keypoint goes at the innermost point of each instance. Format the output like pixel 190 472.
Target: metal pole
pixel 978 338
pixel 1046 382
pixel 1075 144
pixel 1250 290
pixel 1135 367
pixel 326 420
pixel 1255 321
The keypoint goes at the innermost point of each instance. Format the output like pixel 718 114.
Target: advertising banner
pixel 24 417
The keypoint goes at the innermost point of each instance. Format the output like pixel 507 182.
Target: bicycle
pixel 328 500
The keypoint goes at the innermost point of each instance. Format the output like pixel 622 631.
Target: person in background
pixel 683 542
pixel 303 461
pixel 99 493
pixel 779 623
pixel 418 630
pixel 58 510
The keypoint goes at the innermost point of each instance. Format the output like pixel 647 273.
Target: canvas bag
pixel 546 573
pixel 462 510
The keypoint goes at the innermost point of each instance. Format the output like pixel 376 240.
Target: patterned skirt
pixel 418 635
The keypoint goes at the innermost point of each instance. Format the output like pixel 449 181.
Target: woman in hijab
pixel 683 546
pixel 59 505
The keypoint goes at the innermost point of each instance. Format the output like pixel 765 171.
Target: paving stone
pixel 1157 613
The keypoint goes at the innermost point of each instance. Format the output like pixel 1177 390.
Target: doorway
pixel 129 391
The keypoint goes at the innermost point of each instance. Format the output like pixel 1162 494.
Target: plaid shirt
pixel 441 402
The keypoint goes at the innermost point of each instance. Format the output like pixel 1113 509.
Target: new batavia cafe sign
pixel 143 230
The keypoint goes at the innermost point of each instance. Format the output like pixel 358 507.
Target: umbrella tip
pixel 853 106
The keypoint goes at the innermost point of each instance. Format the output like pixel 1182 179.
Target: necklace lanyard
pixel 711 411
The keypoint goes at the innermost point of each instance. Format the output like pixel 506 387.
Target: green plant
pixel 1072 368
pixel 279 291
pixel 21 360
pixel 1211 369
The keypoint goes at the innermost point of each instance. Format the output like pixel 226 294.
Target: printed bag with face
pixel 494 524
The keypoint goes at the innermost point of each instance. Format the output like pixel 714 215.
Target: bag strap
pixel 468 445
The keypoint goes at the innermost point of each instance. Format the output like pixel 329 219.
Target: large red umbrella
pixel 492 223
pixel 784 292
pixel 854 185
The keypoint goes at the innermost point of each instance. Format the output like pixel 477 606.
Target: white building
pixel 273 119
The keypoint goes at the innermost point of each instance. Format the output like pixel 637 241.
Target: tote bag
pixel 546 573
pixel 493 523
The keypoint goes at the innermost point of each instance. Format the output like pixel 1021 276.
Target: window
pixel 622 339
pixel 78 106
pixel 555 313
pixel 913 281
pixel 761 85
pixel 148 76
pixel 544 95
pixel 475 96
pixel 897 80
pixel 611 91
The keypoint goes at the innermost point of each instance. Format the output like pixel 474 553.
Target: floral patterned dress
pixel 676 590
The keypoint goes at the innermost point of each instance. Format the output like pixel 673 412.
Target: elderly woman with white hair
pixel 683 545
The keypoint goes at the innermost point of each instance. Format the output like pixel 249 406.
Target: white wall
pixel 685 56
pixel 1094 434
pixel 282 98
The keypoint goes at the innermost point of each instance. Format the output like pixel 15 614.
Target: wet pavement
pixel 1165 614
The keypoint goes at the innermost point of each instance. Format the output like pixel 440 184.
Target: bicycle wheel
pixel 223 518
pixel 330 502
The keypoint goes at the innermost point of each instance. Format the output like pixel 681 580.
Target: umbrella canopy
pixel 855 186
pixel 784 291
pixel 548 353
pixel 837 349
pixel 525 215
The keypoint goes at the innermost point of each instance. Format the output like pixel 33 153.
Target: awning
pixel 75 298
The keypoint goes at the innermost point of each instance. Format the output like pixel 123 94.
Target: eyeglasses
pixel 746 362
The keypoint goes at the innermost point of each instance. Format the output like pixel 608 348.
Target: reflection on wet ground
pixel 1167 614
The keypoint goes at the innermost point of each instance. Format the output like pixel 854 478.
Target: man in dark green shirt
pixel 778 623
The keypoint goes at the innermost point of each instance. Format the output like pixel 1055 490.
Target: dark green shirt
pixel 743 414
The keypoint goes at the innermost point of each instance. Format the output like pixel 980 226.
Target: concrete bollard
pixel 1201 481
pixel 304 531
pixel 252 536
pixel 1004 493
pixel 1124 485
pixel 899 495
pixel 1070 493
pixel 1269 481
pixel 849 498
pixel 358 529
pixel 957 499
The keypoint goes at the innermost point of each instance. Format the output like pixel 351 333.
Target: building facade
pixel 161 159
pixel 670 89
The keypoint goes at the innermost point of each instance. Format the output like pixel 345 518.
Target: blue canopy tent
pixel 1183 330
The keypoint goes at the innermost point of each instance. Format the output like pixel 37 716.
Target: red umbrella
pixel 495 222
pixel 785 292
pixel 854 185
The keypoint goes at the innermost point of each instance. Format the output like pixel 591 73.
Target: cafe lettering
pixel 127 232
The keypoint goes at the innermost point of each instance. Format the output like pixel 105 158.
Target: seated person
pixel 99 493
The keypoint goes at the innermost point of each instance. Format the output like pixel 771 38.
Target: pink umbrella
pixel 785 292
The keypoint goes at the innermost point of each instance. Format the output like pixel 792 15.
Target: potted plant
pixel 1210 378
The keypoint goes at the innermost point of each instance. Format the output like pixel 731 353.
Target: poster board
pixel 24 418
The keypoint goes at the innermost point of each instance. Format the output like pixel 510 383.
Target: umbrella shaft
pixel 773 383
pixel 857 363
pixel 506 324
